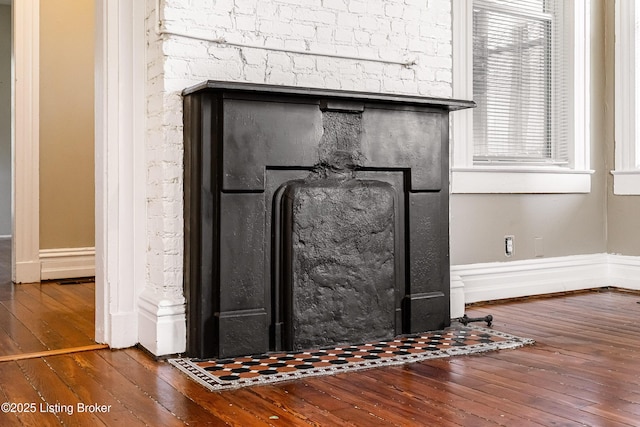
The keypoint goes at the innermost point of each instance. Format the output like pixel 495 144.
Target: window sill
pixel 626 183
pixel 488 180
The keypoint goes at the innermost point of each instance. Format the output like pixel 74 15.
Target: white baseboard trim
pixel 457 297
pixel 624 271
pixel 67 263
pixel 492 281
pixel 162 324
pixel 27 272
pixel 124 331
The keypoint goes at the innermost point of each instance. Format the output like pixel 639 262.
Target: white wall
pixel 395 30
pixel 5 120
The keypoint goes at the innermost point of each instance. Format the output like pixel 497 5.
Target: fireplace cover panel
pixel 340 270
pixel 242 143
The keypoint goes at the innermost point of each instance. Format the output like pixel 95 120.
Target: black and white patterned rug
pixel 223 374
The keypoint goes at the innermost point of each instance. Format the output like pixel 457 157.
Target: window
pixel 524 62
pixel 517 61
pixel 626 179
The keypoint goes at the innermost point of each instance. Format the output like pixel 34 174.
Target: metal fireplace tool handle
pixel 465 320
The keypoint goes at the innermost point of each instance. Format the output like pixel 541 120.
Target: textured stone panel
pixel 342 262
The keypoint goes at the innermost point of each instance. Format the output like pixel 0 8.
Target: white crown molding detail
pixel 499 280
pixel 162 323
pixel 67 263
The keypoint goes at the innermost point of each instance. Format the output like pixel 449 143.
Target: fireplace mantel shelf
pixel 275 90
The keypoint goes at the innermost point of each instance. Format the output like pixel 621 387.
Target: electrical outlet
pixel 538 247
pixel 508 245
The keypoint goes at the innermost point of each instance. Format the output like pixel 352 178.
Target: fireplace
pixel 313 218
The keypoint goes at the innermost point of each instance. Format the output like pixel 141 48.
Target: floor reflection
pixel 6 287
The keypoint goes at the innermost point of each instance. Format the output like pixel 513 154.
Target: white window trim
pixel 626 176
pixel 469 178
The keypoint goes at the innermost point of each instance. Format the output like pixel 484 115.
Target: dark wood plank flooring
pixel 583 370
pixel 43 316
pixel 5 269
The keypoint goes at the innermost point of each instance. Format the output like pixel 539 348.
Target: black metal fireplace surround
pixel 313 218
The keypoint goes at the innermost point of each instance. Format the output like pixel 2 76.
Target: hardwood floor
pixel 583 370
pixel 5 268
pixel 38 317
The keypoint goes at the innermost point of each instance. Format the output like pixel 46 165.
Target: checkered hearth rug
pixel 224 374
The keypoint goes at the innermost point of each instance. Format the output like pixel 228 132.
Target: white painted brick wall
pixel 394 30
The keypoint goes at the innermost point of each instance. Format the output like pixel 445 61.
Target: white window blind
pixel 520 83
